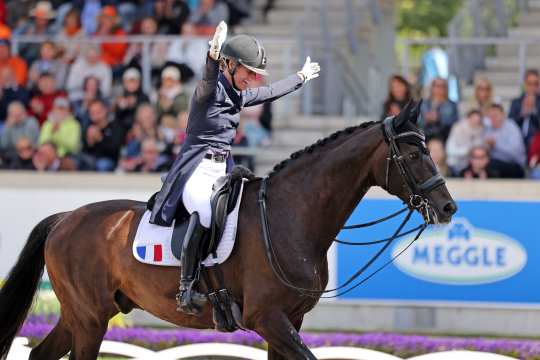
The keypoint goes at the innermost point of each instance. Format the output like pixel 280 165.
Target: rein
pixel 375 222
pixel 280 273
pixel 371 223
pixel 417 201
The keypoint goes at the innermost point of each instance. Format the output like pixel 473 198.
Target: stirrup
pixel 188 300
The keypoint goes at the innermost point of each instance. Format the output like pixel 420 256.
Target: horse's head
pixel 407 170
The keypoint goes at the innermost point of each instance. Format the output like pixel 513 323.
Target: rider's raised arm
pixel 208 84
pixel 271 92
pixel 276 90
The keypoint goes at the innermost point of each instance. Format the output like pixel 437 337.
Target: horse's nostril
pixel 450 208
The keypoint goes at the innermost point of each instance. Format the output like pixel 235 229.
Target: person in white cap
pixel 125 105
pixel 171 98
pixel 39 24
pixel 205 155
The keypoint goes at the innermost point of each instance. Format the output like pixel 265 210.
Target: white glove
pixel 309 70
pixel 217 41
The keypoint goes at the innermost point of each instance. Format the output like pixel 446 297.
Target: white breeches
pixel 198 189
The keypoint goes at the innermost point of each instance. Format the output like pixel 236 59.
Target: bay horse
pixel 88 251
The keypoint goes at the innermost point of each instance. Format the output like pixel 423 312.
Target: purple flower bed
pixel 37 327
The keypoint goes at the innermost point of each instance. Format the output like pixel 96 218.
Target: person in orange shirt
pixel 112 53
pixel 15 63
pixel 5 31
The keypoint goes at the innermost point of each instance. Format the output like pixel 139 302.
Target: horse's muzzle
pixel 445 215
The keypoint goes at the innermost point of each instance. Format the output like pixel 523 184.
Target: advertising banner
pixel 490 252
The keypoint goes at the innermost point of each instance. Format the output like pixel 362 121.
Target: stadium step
pixel 513 50
pixel 295 134
pixel 534 5
pixel 523 32
pixel 529 19
pixel 294 137
pixel 300 5
pixel 286 17
pixel 326 123
pixel 304 130
pixel 288 31
pixel 510 63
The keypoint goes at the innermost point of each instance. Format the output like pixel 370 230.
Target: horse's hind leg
pixel 87 316
pixel 87 340
pixel 55 345
pixel 283 338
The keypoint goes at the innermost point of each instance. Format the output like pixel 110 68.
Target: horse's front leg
pixel 283 339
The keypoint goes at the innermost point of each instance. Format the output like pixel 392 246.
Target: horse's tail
pixel 18 291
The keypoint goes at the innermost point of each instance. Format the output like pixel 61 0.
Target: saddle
pixel 224 196
pixel 222 201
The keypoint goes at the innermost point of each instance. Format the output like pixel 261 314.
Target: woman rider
pixel 213 120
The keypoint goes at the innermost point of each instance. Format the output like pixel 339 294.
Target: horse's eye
pixel 414 156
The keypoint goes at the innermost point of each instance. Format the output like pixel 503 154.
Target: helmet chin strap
pixel 232 72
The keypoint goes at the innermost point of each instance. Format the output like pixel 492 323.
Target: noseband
pixel 417 192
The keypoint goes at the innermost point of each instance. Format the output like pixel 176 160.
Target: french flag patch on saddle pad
pixel 153 252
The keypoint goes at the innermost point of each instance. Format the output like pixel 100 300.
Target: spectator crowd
pixel 70 103
pixel 67 104
pixel 489 141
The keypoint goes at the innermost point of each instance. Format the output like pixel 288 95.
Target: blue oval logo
pixel 459 254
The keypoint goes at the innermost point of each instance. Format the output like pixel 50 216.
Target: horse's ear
pixel 415 112
pixel 403 116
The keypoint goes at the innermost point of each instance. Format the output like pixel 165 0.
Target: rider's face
pixel 243 77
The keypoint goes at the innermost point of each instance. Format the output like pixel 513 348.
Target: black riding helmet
pixel 246 50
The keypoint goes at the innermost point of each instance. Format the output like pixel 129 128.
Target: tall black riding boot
pixel 188 300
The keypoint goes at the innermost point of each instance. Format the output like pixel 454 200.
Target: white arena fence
pixel 20 350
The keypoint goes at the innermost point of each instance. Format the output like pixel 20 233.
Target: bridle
pixel 418 200
pixel 417 192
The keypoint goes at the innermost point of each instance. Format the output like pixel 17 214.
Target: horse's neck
pixel 318 192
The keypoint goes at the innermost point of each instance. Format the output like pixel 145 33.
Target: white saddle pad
pixel 152 244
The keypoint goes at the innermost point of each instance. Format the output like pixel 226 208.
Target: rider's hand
pixel 217 41
pixel 309 71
